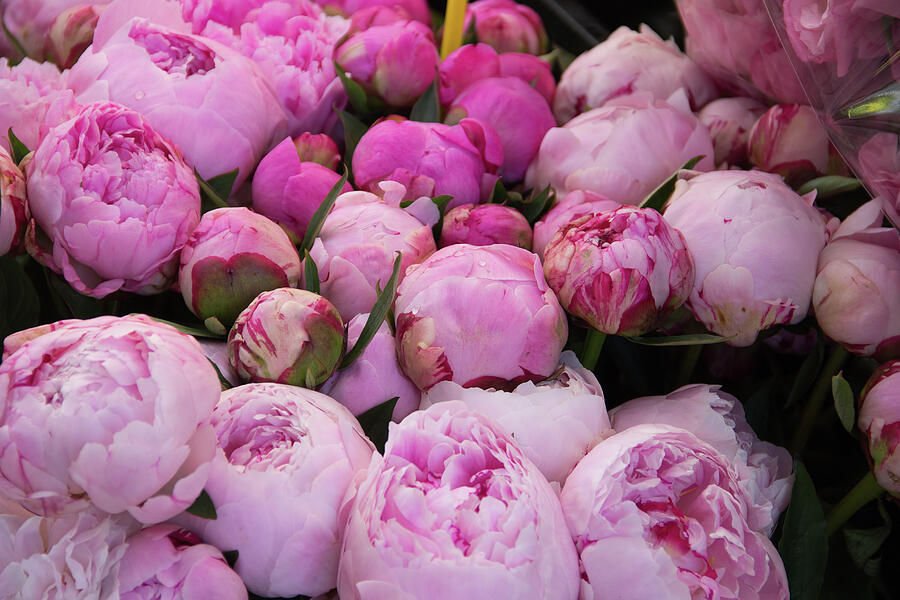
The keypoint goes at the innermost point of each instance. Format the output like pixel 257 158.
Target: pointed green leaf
pixel 658 197
pixel 690 339
pixel 318 218
pixel 499 195
pixel 310 273
pixel 215 326
pixel 806 376
pixel 804 541
pixel 830 185
pixel 843 401
pixel 375 422
pixel 19 300
pixel 224 383
pixel 355 92
pixel 203 507
pixel 19 150
pixel 441 202
pixel 376 317
pixel 427 109
pixel 231 557
pixel 863 544
pixel 190 330
pixel 537 204
pixel 209 194
pixel 223 184
pixel 354 129
pixel 69 303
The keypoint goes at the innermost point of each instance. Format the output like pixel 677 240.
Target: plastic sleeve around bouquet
pixel 845 55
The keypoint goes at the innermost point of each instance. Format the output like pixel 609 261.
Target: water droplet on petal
pixel 139 95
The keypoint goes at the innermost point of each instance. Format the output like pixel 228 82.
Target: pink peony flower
pixel 166 562
pixel 877 160
pixel 108 412
pixel 879 415
pixel 112 203
pixel 317 148
pixel 657 513
pixel 71 33
pixel 454 509
pixel 300 454
pixel 479 316
pixel 623 150
pixel 764 470
pixel 417 9
pixel 622 270
pixel 356 247
pixel 755 243
pixel 573 205
pixel 485 224
pixel 729 121
pixel 30 21
pixel 233 256
pixel 627 62
pixel 533 70
pixel 555 422
pixel 12 205
pixel 507 26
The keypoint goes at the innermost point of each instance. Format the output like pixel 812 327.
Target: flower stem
pixel 817 397
pixel 862 493
pixel 689 359
pixel 593 344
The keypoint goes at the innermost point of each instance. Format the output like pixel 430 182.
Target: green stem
pixel 817 396
pixel 593 344
pixel 688 364
pixel 862 493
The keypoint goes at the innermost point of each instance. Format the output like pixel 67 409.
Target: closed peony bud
pixel 287 336
pixel 729 121
pixel 232 257
pixel 71 33
pixel 12 205
pixel 485 224
pixel 622 271
pixel 318 148
pixel 573 205
pixel 507 26
pixel 879 421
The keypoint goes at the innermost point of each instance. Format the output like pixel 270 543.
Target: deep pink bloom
pixel 573 205
pixel 485 224
pixel 507 26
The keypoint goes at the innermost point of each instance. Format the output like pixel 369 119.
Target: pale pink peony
pixel 485 224
pixel 729 121
pixel 290 463
pixel 454 509
pixel 623 150
pixel 764 470
pixel 626 62
pixel 507 26
pixel 12 205
pixel 657 513
pixel 109 412
pixel 112 203
pixel 356 248
pixel 481 316
pixel 573 205
pixel 879 421
pixel 164 562
pixel 755 244
pixel 375 377
pixel 555 422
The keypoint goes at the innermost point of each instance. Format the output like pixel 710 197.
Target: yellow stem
pixel 453 26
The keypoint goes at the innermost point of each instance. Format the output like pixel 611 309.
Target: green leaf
pixel 310 273
pixel 355 92
pixel 830 185
pixel 804 542
pixel 203 507
pixel 533 208
pixel 863 544
pixel 499 195
pixel 375 422
pixel 70 303
pixel 190 330
pixel 376 317
pixel 224 383
pixel 658 197
pixel 843 401
pixel 231 557
pixel 318 218
pixel 354 129
pixel 441 201
pixel 690 339
pixel 427 109
pixel 806 376
pixel 215 192
pixel 19 301
pixel 19 150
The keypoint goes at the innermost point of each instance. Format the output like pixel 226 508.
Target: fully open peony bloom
pixel 112 203
pixel 12 205
pixel 454 509
pixel 291 459
pixel 479 316
pixel 110 412
pixel 657 513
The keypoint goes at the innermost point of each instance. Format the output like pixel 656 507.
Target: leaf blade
pixel 690 339
pixel 203 507
pixel 310 273
pixel 17 148
pixel 829 185
pixel 843 401
pixel 658 197
pixel 375 422
pixel 379 313
pixel 804 541
pixel 427 109
pixel 318 218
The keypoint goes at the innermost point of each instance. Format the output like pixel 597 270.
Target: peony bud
pixel 879 421
pixel 485 224
pixel 575 204
pixel 507 26
pixel 729 121
pixel 317 148
pixel 12 205
pixel 71 33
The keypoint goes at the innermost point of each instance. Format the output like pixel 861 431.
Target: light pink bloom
pixel 76 556
pixel 555 422
pixel 454 509
pixel 30 21
pixel 879 421
pixel 214 104
pixel 234 255
pixel 71 33
pixel 375 377
pixel 481 316
pixel 316 147
pixel 12 205
pixel 764 470
pixel 299 454
pixel 516 111
pixel 109 412
pixel 430 159
pixel 623 150
pixel 626 62
pixel 573 205
pixel 485 224
pixel 112 203
pixel 289 190
pixel 755 244
pixel 622 270
pixel 287 336
pixel 507 26
pixel 857 286
pixel 14 341
pixel 33 100
pixel 356 247
pixel 729 121
pixel 657 513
